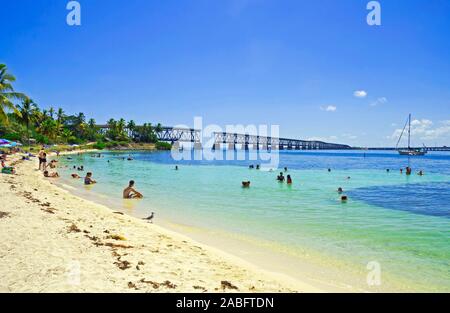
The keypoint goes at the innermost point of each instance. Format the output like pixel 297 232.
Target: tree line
pixel 22 120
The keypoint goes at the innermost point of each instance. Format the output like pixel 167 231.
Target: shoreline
pixel 58 242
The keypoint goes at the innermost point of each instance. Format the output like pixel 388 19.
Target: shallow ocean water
pixel 402 222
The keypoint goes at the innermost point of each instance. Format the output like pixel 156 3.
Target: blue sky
pixel 293 63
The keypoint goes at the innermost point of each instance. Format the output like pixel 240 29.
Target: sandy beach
pixel 53 241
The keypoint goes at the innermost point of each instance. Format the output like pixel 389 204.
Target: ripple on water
pixel 427 199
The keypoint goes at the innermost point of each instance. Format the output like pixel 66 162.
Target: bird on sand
pixel 150 218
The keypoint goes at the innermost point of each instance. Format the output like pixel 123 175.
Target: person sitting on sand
pixel 88 179
pixel 280 177
pixel 76 176
pixel 50 175
pixel 131 193
pixel 289 180
pixel 246 184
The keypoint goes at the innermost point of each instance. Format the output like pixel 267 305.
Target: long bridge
pixel 175 135
pixel 442 148
pixel 263 142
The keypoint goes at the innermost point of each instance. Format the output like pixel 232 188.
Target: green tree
pixel 131 128
pixel 7 93
pixel 27 114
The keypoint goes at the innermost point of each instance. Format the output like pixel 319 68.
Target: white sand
pixel 53 241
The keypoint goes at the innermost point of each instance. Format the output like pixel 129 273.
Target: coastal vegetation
pixel 21 119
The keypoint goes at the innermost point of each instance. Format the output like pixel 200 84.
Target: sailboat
pixel 410 151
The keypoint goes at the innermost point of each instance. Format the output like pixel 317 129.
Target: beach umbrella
pixel 8 145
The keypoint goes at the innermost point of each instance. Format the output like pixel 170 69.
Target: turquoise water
pixel 402 222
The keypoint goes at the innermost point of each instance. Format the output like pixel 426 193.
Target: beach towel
pixel 8 170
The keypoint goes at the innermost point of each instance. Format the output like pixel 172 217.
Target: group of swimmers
pixel 281 178
pixel 408 171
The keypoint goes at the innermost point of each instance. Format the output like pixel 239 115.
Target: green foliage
pixel 161 145
pixel 99 145
pixel 21 119
pixel 42 139
pixel 12 136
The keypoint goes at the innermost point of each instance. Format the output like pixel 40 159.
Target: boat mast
pixel 409 132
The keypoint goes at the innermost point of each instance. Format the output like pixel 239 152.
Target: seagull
pixel 150 218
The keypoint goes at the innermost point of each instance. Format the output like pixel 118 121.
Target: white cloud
pixel 349 136
pixel 379 101
pixel 424 129
pixel 360 94
pixel 330 108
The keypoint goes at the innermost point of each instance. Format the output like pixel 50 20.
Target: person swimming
pixel 176 167
pixel 285 169
pixel 420 173
pixel 246 184
pixel 131 193
pixel 257 167
pixel 75 176
pixel 88 179
pixel 344 199
pixel 401 171
pixel 340 190
pixel 50 175
pixel 280 177
pixel 289 180
pixel 387 170
pixel 408 170
pixel 329 170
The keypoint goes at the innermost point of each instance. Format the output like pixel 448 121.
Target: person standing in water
pixel 289 180
pixel 131 193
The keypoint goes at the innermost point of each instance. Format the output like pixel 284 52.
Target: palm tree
pixel 92 129
pixel 131 128
pixel 112 128
pixel 66 135
pixel 7 94
pixel 49 128
pixel 158 128
pixel 26 116
pixel 51 111
pixel 60 116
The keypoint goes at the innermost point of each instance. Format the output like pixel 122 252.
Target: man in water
pixel 131 193
pixel 408 171
pixel 88 179
pixel 280 177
